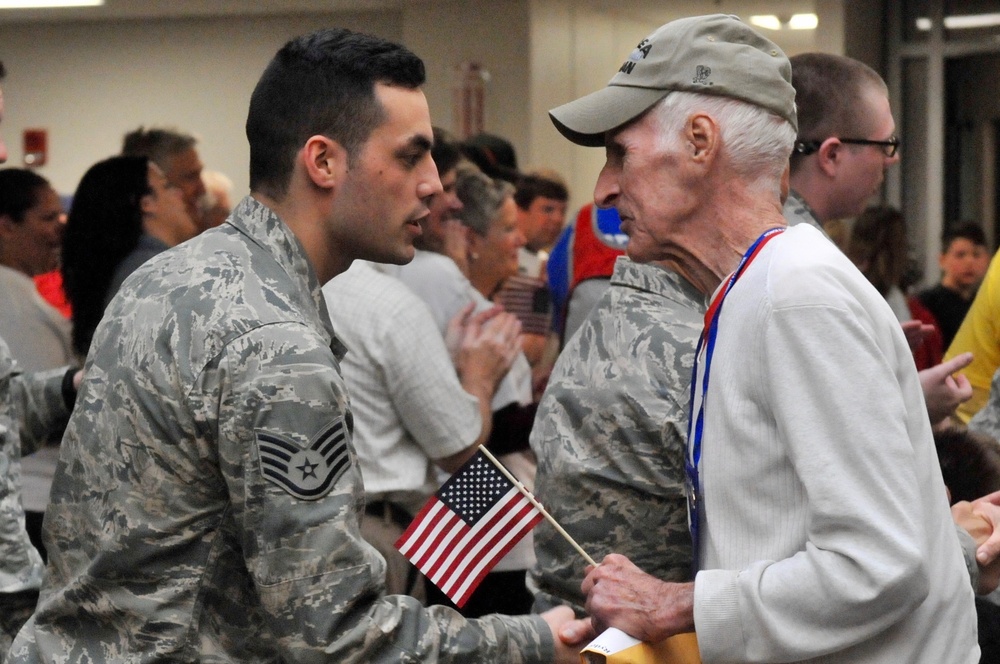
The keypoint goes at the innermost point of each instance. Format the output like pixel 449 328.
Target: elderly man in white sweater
pixel 817 508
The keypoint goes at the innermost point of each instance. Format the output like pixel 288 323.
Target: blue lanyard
pixel 696 423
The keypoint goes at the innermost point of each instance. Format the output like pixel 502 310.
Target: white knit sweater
pixel 826 534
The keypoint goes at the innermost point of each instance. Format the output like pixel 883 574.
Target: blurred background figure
pixel 970 462
pixel 541 198
pixel 877 245
pixel 493 155
pixel 418 404
pixel 580 266
pixel 489 212
pixel 964 259
pixel 32 223
pixel 540 201
pixel 217 202
pixel 495 240
pixel 442 232
pixel 124 213
pixel 31 235
pixel 176 155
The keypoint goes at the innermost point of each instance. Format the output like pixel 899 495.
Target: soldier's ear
pixel 325 161
pixel 829 155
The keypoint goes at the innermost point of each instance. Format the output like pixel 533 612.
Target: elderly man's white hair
pixel 757 142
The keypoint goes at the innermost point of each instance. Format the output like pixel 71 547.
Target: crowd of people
pixel 245 406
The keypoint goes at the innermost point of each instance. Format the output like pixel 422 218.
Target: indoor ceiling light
pixel 963 22
pixel 796 22
pixel 767 21
pixel 803 22
pixel 45 4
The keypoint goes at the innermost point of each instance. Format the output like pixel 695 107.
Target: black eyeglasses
pixel 889 147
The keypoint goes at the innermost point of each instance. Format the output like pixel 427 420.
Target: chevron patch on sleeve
pixel 306 473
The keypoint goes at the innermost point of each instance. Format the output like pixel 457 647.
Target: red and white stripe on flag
pixel 454 549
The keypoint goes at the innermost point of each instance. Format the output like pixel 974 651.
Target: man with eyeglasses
pixel 846 141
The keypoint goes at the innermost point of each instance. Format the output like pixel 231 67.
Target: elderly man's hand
pixel 943 392
pixel 981 518
pixel 621 595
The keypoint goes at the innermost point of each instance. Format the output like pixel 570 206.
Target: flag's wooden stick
pixel 527 494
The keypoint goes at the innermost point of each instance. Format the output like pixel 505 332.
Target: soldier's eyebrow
pixel 420 143
pixel 415 148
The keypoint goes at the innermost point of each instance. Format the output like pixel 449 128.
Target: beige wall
pixel 88 83
pixel 494 34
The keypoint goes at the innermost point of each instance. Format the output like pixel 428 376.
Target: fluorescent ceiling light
pixel 46 4
pixel 803 22
pixel 796 22
pixel 767 21
pixel 962 22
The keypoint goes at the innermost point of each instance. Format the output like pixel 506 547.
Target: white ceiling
pixel 137 9
pixel 133 9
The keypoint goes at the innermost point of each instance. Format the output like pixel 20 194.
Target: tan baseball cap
pixel 717 54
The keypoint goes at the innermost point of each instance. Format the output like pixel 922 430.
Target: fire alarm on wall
pixel 36 147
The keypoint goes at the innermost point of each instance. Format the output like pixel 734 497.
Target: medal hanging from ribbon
pixel 700 375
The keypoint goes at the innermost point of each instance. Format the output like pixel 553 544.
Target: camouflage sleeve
pixel 285 452
pixel 39 407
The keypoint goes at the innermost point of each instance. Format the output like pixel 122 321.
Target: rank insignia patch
pixel 306 473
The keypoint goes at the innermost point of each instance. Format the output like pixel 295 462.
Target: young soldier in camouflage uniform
pixel 207 501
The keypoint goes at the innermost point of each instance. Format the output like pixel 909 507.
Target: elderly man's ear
pixel 702 133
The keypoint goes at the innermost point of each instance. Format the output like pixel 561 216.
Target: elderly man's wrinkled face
pixel 650 184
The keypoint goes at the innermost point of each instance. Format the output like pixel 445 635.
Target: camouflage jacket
pixel 31 410
pixel 206 504
pixel 610 434
pixel 797 211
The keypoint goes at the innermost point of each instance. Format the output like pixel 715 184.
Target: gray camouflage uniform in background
pixel 987 420
pixel 797 211
pixel 206 503
pixel 611 431
pixel 32 409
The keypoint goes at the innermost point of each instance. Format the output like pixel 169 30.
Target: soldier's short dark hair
pixel 321 83
pixel 157 144
pixel 19 189
pixel 534 185
pixel 828 88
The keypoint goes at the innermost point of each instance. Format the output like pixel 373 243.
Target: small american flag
pixel 476 517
